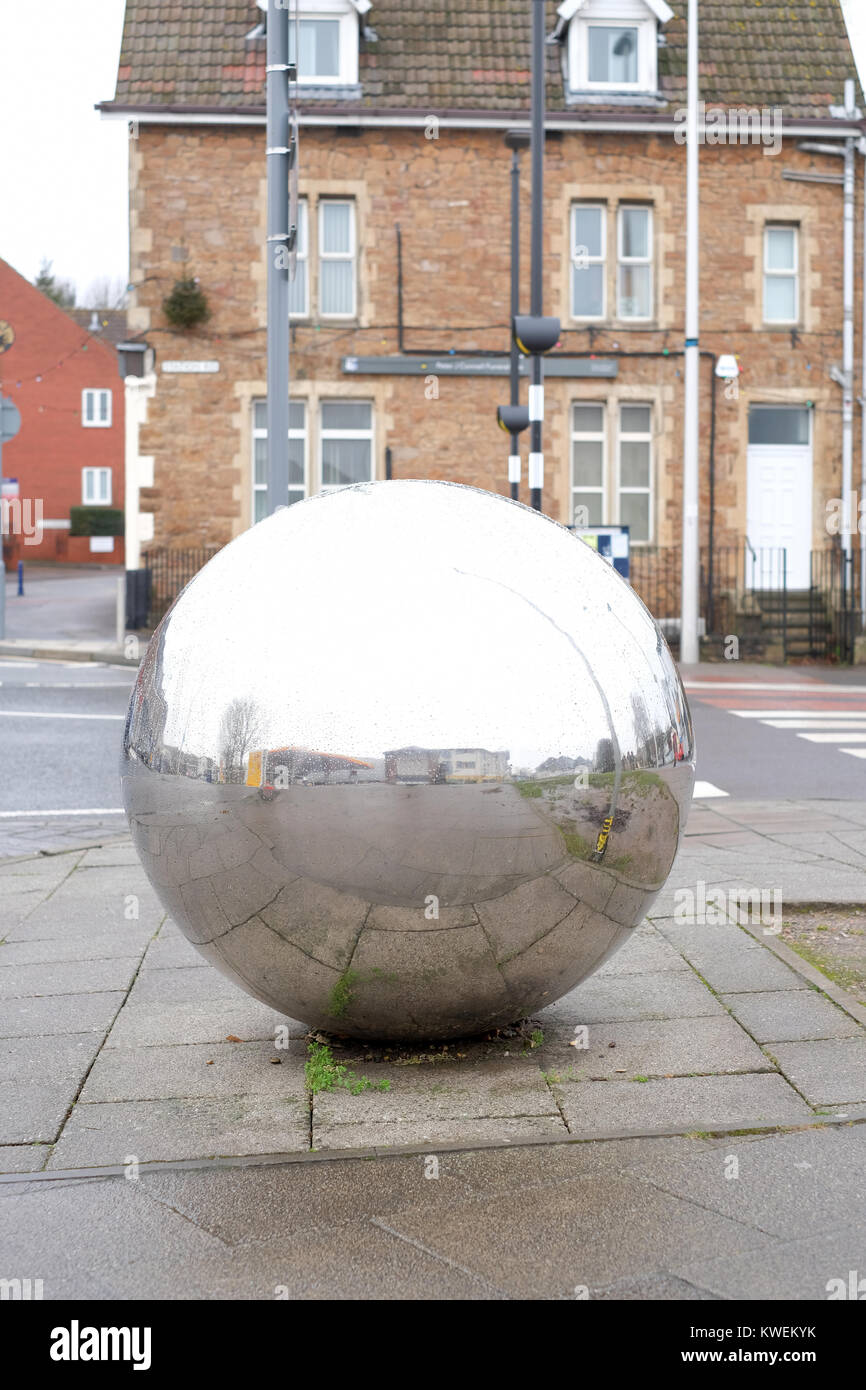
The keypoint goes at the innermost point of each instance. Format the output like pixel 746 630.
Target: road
pixel 762 733
pixel 794 733
pixel 60 730
pixel 74 601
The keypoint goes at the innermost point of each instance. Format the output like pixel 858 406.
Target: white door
pixel 779 508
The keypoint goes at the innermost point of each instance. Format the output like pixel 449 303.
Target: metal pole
pixel 689 642
pixel 536 390
pixel 277 86
pixel 848 340
pixel 514 456
pixel 862 517
pixel 3 515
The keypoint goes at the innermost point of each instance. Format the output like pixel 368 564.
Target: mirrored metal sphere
pixel 407 760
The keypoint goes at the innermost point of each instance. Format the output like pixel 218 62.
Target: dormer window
pixel 611 45
pixel 325 41
pixel 612 55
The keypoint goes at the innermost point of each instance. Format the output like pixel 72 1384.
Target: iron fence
pixel 170 570
pixel 746 592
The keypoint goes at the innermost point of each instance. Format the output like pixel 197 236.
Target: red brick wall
pixel 44 372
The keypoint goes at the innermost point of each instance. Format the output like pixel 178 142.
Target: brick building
pixel 401 301
pixel 61 370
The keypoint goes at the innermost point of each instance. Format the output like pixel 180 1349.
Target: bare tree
pixel 105 292
pixel 240 733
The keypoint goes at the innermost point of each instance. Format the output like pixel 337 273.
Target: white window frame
pixel 647 54
pixel 95 392
pixel 345 434
pixel 626 261
pixel 636 437
pixel 348 40
pixel 302 259
pixel 775 274
pixel 351 255
pixel 590 260
pixel 88 483
pixel 591 437
pixel 261 432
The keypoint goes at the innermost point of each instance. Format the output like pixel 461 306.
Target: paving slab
pixel 447 1091
pixel 22 1158
pixel 700 1103
pixel 66 977
pixel 646 952
pixel 787 1184
pixel 83 1235
pixel 58 1013
pixel 730 967
pixel 790 1015
pixel 605 998
pixel 544 1242
pixel 364 1261
pixel 194 1004
pixel 31 1112
pixel 791 1269
pixel 170 949
pixel 125 945
pixel 433 1133
pixel 666 1047
pixel 208 1070
pixel 104 1135
pixel 828 1071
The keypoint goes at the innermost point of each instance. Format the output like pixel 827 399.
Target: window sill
pixel 595 96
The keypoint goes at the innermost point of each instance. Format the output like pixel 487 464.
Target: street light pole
pixel 277 91
pixel 689 611
pixel 536 390
pixel 514 456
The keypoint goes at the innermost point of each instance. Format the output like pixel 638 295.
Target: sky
pixel 63 169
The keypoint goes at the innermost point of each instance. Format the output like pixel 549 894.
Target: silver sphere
pixel 407 760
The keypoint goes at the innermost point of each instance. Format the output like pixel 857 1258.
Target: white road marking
pixel 768 714
pixel 855 752
pixel 705 789
pixel 65 685
pixel 848 736
pixel 816 687
pixel 42 714
pixel 815 722
pixel 90 811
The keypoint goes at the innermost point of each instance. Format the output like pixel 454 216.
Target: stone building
pixel 400 307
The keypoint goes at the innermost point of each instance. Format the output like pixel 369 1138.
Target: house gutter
pixel 452 119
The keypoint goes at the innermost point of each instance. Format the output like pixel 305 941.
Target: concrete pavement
pixel 606 1166
pixel 158 1137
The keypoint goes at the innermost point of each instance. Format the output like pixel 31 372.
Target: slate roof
pixel 112 323
pixel 446 56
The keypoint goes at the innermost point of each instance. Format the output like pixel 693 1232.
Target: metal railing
pixel 171 569
pixel 746 592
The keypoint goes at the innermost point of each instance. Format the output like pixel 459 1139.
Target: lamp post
pixel 536 390
pixel 689 610
pixel 515 418
pixel 278 152
pixel 533 334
